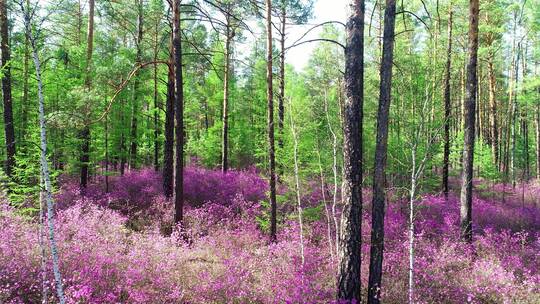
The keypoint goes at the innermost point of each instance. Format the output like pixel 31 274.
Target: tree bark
pixel 157 126
pixel 179 114
pixel 447 106
pixel 537 126
pixel 9 127
pixel 281 94
pixel 379 196
pixel 85 132
pixel 43 158
pixel 270 112
pixel 225 111
pixel 168 148
pixel 468 145
pixel 349 269
pixel 493 111
pixel 133 163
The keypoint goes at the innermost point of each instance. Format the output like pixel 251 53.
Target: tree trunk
pixel 43 158
pixel 349 281
pixel 25 103
pixel 537 126
pixel 157 126
pixel 513 118
pixel 468 145
pixel 271 143
pixel 136 84
pixel 281 96
pixel 107 153
pixel 493 111
pixel 334 171
pixel 85 132
pixel 379 196
pixel 447 106
pixel 168 148
pixel 179 113
pixel 297 186
pixel 225 112
pixel 6 90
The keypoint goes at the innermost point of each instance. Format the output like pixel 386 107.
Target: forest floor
pixel 117 247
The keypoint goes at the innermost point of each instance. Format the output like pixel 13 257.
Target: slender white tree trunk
pixel 334 171
pixel 42 246
pixel 326 209
pixel 43 158
pixel 297 184
pixel 411 225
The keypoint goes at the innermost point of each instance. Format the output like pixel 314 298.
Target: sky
pixel 324 10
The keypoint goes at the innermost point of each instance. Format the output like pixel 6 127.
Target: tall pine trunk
pixel 493 111
pixel 447 106
pixel 225 111
pixel 349 282
pixel 168 148
pixel 270 121
pixel 468 144
pixel 179 114
pixel 379 180
pixel 6 90
pixel 281 93
pixel 136 83
pixel 85 132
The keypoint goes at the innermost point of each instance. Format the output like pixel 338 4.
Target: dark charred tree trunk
pixel 379 196
pixel 468 145
pixel 85 132
pixel 179 113
pixel 271 142
pixel 349 283
pixel 447 107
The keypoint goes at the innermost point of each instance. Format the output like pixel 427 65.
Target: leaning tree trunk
pixel 6 90
pixel 377 226
pixel 179 113
pixel 468 145
pixel 447 106
pixel 271 142
pixel 349 282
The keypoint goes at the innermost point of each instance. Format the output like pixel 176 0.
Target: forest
pixel 270 151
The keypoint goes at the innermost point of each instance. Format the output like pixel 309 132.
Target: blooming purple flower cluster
pixel 138 189
pixel 228 259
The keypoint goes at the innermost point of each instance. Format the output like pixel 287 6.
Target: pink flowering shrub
pixel 137 190
pixel 224 257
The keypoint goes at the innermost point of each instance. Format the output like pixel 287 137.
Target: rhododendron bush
pixel 223 255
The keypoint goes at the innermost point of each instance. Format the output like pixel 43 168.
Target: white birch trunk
pixel 43 158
